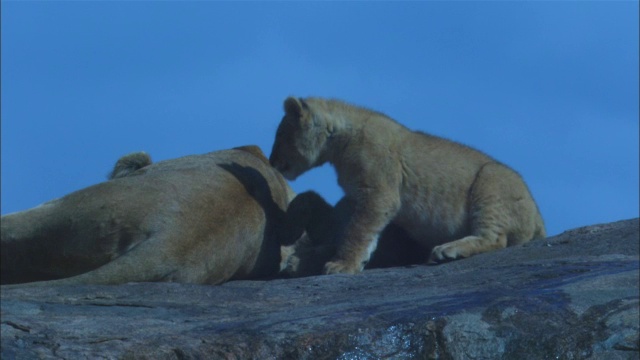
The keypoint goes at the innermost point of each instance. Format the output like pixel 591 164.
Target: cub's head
pixel 300 140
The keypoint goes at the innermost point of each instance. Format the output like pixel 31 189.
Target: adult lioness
pixel 198 219
pixel 441 192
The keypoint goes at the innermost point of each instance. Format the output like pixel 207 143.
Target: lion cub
pixel 445 195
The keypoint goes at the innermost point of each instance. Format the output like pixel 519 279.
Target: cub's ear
pixel 297 108
pixel 293 106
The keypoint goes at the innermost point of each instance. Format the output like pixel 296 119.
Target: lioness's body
pixel 201 219
pixel 441 192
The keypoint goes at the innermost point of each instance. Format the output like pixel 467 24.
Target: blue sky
pixel 549 88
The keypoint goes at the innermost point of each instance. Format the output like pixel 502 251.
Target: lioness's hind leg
pixel 145 262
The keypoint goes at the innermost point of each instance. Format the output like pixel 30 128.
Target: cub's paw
pixel 290 266
pixel 340 267
pixel 444 253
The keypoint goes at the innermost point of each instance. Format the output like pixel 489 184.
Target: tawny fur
pixel 129 163
pixel 447 196
pixel 201 219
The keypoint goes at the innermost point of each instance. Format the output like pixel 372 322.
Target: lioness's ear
pixel 293 106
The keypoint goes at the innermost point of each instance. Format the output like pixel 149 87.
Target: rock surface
pixel 572 296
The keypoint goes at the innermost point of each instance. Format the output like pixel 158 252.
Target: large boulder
pixel 571 296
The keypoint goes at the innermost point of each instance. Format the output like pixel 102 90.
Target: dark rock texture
pixel 572 296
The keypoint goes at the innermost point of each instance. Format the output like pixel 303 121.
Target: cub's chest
pixel 375 176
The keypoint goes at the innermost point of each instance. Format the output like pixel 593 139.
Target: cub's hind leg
pixel 467 246
pixel 502 212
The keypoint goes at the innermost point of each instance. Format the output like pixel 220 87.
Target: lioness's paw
pixel 444 253
pixel 340 267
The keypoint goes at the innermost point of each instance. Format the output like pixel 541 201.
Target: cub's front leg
pixel 373 211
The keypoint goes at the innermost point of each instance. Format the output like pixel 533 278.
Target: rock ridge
pixel 571 296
